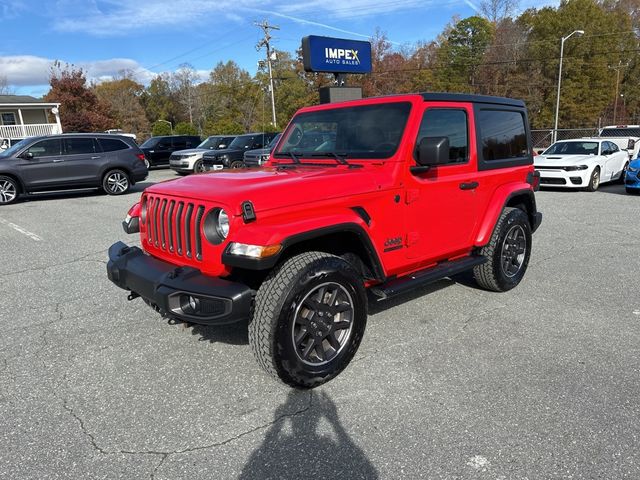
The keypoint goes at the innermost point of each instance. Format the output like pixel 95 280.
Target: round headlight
pixel 216 226
pixel 222 225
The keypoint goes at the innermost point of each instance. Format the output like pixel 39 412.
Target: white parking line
pixel 24 231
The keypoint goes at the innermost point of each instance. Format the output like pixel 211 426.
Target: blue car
pixel 632 180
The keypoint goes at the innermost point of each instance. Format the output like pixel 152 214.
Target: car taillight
pixel 533 179
pixel 140 156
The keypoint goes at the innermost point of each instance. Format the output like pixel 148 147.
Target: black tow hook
pixel 132 296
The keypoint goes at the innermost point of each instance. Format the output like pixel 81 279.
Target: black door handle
pixel 468 185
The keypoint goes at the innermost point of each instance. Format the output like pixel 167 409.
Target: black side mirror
pixel 431 151
pixel 27 155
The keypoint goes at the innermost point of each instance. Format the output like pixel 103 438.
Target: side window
pixel 192 142
pixel 613 147
pixel 450 123
pixel 179 143
pixel 226 141
pixel 503 135
pixel 112 144
pixel 45 148
pixel 78 146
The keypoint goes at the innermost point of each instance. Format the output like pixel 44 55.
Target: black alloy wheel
pixel 310 316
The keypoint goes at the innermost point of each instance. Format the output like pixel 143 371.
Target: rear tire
pixel 116 182
pixel 9 190
pixel 594 181
pixel 310 316
pixel 237 164
pixel 507 252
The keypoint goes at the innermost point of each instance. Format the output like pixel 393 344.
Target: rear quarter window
pixel 112 144
pixel 503 138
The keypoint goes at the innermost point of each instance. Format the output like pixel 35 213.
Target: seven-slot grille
pixel 174 226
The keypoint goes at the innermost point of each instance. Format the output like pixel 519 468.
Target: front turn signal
pixel 254 251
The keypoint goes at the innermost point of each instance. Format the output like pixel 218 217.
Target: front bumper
pixel 179 293
pixel 562 178
pixel 632 179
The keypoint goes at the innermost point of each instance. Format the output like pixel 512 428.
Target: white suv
pixel 187 161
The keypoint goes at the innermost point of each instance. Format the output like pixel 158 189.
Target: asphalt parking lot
pixel 451 382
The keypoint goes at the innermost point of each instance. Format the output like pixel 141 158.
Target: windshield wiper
pixel 340 158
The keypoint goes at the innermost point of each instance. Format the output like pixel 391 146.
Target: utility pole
pixel 265 42
pixel 617 68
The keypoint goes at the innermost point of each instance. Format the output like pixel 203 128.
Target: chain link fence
pixel 542 139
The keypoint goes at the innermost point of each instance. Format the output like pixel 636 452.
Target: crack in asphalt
pixel 48 267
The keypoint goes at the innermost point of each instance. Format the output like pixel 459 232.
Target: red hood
pixel 270 188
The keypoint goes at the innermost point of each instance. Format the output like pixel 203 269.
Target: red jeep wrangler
pixel 383 194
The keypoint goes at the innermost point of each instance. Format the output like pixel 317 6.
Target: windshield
pixel 369 131
pixel 152 142
pixel 620 132
pixel 274 142
pixel 242 142
pixel 572 148
pixel 14 148
pixel 211 143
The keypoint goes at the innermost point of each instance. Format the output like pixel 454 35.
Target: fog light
pixel 193 303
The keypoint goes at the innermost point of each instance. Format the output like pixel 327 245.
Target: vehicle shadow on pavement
pixel 616 189
pixel 378 306
pixel 233 334
pixel 310 443
pixel 81 193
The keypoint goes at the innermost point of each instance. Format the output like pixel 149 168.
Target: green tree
pixel 160 128
pixel 185 128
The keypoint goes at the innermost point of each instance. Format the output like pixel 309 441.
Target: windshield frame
pixel 344 129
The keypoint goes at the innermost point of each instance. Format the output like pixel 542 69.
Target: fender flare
pixel 500 199
pixel 353 227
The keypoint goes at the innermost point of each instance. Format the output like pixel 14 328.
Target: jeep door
pixel 82 159
pixel 42 164
pixel 441 208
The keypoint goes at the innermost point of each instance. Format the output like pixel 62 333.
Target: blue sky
pixel 153 36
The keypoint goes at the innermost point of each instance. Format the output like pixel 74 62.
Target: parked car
pixel 627 137
pixel 119 131
pixel 632 179
pixel 158 150
pixel 187 161
pixel 257 157
pixel 418 188
pixel 583 163
pixel 70 161
pixel 232 157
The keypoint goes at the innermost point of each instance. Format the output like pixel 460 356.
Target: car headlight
pixel 222 225
pixel 216 226
pixel 576 167
pixel 253 251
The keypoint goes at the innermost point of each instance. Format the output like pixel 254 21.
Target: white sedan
pixel 582 163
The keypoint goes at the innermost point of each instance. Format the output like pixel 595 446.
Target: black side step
pixel 442 270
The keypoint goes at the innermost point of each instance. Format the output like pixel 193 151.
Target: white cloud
pixel 30 71
pixel 10 9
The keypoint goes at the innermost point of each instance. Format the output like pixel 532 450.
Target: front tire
pixel 237 164
pixel 594 181
pixel 116 182
pixel 624 173
pixel 507 252
pixel 198 167
pixel 310 316
pixel 9 190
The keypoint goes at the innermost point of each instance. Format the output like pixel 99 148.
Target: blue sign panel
pixel 336 55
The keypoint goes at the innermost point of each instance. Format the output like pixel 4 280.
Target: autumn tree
pixel 124 99
pixel 4 86
pixel 80 110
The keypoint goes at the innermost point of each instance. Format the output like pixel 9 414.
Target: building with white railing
pixel 23 116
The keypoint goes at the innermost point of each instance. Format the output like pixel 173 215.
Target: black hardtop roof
pixel 465 97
